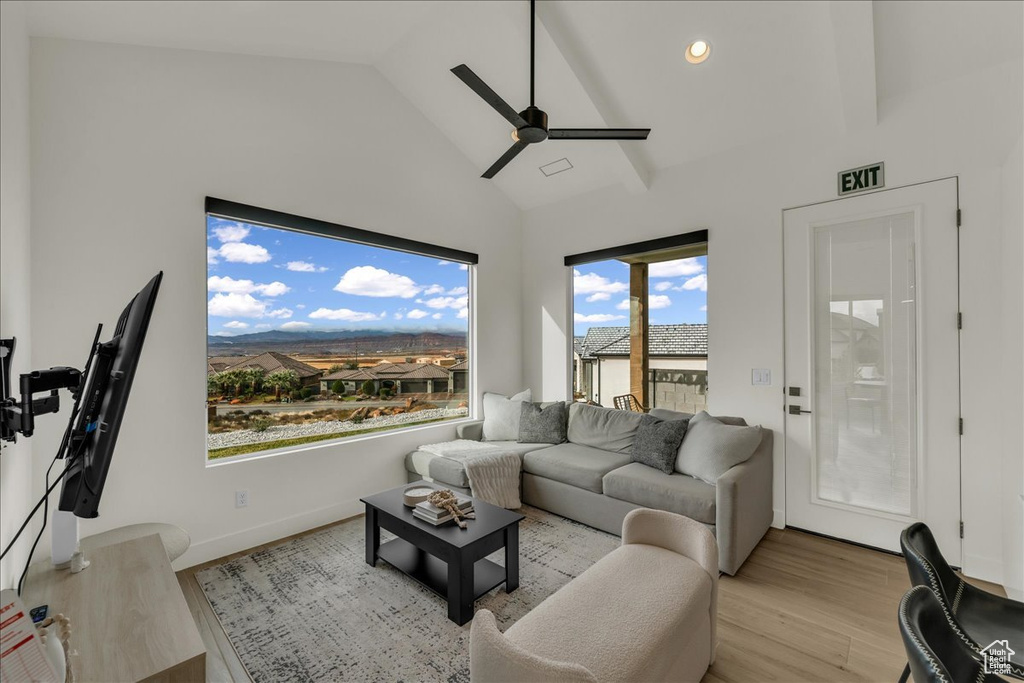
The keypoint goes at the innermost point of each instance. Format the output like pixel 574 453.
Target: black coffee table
pixel 446 559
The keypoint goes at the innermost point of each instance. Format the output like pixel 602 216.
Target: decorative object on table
pixel 446 500
pixel 416 494
pixel 428 512
pixel 57 647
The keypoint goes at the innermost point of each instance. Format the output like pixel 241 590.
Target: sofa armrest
pixel 743 505
pixel 681 535
pixel 493 658
pixel 471 431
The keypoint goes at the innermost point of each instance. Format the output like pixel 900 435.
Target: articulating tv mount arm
pixel 19 416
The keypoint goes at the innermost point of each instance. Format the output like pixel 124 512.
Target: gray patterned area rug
pixel 311 609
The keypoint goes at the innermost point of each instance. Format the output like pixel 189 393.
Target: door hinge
pixel 961 529
pixel 959 216
pixel 961 426
pixel 959 320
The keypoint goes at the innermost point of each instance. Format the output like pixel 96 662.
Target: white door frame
pixel 782 281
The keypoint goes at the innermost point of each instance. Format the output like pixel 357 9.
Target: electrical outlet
pixel 761 377
pixel 241 499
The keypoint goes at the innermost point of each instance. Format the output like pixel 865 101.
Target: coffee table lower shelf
pixel 433 572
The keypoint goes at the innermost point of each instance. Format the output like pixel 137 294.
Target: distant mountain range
pixel 337 342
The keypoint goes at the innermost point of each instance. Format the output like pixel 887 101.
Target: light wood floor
pixel 802 608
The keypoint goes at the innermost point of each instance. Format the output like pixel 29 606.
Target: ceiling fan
pixel 531 124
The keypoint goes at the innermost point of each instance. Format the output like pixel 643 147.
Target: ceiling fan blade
pixel 505 158
pixel 489 96
pixel 598 133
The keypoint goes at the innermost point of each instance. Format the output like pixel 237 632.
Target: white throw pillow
pixel 501 415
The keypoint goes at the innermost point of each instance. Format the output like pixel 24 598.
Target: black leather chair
pixel 936 654
pixel 976 617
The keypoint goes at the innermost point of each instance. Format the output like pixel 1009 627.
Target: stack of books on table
pixel 432 514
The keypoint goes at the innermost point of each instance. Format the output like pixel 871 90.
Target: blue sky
pixel 677 293
pixel 271 279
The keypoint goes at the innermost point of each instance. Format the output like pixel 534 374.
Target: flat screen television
pixel 103 401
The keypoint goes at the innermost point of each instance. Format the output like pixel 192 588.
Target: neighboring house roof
pixel 460 367
pixel 426 371
pixel 272 361
pixel 350 376
pixel 577 346
pixel 218 363
pixel 690 340
pixel 392 371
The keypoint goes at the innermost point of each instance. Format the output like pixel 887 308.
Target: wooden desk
pixel 129 620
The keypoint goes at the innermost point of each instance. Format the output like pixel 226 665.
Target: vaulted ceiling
pixel 776 68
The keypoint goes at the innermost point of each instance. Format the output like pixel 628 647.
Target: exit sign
pixel 870 177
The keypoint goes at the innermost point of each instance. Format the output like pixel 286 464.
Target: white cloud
pixel 399 316
pixel 655 301
pixel 623 305
pixel 704 307
pixel 437 316
pixel 592 283
pixel 294 325
pixel 300 305
pixel 447 302
pixel 280 313
pixel 229 285
pixel 596 317
pixel 462 314
pixel 416 314
pixel 444 263
pixel 343 314
pixel 236 305
pixel 463 266
pixel 678 268
pixel 231 233
pixel 370 281
pixel 456 291
pixel 599 296
pixel 304 267
pixel 433 289
pixel 211 256
pixel 262 326
pixel 663 286
pixel 241 252
pixel 698 282
pixel 236 325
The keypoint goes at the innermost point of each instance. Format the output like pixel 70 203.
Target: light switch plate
pixel 761 377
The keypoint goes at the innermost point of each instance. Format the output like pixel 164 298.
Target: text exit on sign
pixel 870 177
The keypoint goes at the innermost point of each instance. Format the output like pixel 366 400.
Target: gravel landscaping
pixel 278 432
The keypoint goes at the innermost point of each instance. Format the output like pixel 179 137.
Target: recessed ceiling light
pixel 697 51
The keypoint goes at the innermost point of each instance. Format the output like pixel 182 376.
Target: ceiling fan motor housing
pixel 536 128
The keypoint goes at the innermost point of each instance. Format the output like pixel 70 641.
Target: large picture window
pixel 312 336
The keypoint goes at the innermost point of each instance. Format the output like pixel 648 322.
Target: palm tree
pixel 254 377
pixel 283 380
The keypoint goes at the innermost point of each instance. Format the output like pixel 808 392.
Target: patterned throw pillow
pixel 542 425
pixel 657 442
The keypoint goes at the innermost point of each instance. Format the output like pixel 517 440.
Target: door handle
pixel 797 410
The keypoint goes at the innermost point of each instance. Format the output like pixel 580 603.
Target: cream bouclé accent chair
pixel 646 611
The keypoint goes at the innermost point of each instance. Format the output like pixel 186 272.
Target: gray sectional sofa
pixel 591 478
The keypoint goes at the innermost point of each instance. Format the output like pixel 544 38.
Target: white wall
pixel 127 141
pixel 963 127
pixel 16 493
pixel 1012 361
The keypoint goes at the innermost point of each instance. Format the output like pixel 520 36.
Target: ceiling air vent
pixel 555 167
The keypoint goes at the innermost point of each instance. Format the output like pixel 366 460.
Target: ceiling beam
pixel 853 30
pixel 638 173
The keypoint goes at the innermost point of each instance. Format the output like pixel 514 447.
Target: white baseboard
pixel 258 535
pixel 779 518
pixel 984 568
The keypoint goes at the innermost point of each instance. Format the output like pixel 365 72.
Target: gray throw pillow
pixel 711 448
pixel 605 428
pixel 657 442
pixel 545 424
pixel 501 415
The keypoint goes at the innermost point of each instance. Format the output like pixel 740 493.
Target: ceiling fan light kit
pixel 531 124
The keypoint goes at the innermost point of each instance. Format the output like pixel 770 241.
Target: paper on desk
pixel 21 651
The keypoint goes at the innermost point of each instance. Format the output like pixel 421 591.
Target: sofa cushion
pixel 449 471
pixel 542 424
pixel 712 447
pixel 573 464
pixel 636 604
pixel 679 493
pixel 605 428
pixel 666 414
pixel 657 443
pixel 501 415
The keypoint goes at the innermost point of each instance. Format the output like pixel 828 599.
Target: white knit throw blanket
pixel 492 471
